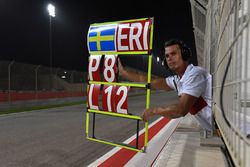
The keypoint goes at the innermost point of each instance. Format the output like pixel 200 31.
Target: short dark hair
pixel 173 42
pixel 185 51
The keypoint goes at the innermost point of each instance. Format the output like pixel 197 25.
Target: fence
pixel 225 53
pixel 20 81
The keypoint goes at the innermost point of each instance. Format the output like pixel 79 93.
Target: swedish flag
pixel 102 38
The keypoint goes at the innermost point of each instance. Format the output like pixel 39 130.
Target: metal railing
pixel 26 79
pixel 225 53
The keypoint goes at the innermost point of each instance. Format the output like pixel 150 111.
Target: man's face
pixel 173 57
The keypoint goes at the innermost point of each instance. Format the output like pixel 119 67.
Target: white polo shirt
pixel 196 82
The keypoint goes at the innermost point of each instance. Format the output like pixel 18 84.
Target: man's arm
pixel 173 111
pixel 131 75
pixel 156 83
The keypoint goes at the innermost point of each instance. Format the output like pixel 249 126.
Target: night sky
pixel 24 27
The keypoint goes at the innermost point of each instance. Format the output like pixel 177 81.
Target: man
pixel 192 83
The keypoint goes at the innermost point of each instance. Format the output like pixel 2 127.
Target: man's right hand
pixel 121 69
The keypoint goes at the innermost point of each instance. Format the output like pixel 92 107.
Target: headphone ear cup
pixel 186 53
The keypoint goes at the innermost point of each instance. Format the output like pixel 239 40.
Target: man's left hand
pixel 147 113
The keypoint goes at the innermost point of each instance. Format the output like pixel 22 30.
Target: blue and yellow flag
pixel 102 38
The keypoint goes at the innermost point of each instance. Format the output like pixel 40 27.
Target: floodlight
pixel 51 10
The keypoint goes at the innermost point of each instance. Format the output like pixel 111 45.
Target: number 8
pixel 109 68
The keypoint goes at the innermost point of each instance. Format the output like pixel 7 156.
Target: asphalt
pixel 54 137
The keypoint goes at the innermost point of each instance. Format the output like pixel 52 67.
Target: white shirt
pixel 196 82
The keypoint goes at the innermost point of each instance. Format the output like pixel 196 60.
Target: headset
pixel 185 50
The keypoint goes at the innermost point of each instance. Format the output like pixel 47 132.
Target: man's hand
pixel 147 113
pixel 121 69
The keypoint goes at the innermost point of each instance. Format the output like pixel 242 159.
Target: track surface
pixel 56 137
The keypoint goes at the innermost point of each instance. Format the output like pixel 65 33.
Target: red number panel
pixel 94 67
pixel 108 98
pixel 93 93
pixel 109 68
pixel 121 100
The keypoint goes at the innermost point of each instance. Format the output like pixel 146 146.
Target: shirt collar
pixel 189 68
